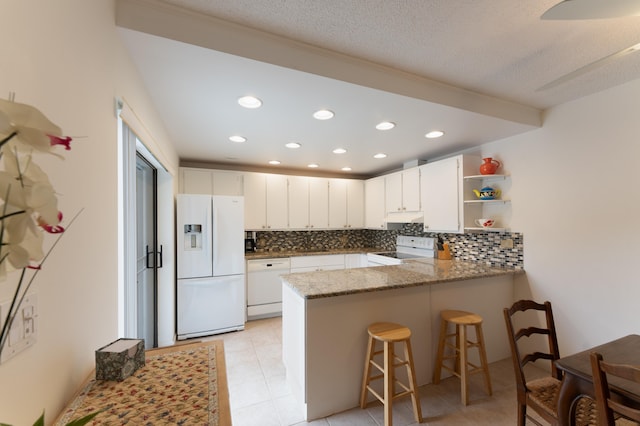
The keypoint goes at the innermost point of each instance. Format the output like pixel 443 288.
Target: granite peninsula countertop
pixel 273 254
pixel 415 272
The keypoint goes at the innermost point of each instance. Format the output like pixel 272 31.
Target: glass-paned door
pixel 148 259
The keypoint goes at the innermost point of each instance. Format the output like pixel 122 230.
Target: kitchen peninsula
pixel 326 314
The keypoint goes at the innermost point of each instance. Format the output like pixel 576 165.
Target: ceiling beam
pixel 175 23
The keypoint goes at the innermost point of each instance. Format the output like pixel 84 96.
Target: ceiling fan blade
pixel 589 67
pixel 592 9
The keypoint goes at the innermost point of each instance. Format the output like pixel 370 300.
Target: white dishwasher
pixel 264 287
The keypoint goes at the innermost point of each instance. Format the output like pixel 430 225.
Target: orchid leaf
pixel 84 420
pixel 40 421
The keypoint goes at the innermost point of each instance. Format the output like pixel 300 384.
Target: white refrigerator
pixel 210 262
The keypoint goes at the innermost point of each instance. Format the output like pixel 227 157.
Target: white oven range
pixel 407 247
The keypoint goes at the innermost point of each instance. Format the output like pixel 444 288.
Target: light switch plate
pixel 24 331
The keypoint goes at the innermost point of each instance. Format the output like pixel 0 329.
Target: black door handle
pixel 149 265
pixel 149 257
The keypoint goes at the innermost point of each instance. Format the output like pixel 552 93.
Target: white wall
pixel 575 192
pixel 66 58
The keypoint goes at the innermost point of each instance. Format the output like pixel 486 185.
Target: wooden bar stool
pixel 389 334
pixel 461 368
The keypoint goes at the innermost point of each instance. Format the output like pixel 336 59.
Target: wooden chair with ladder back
pixel 609 408
pixel 540 394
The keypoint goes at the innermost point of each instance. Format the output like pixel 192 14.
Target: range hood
pixel 404 217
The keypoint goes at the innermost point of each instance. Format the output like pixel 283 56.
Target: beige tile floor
pixel 259 395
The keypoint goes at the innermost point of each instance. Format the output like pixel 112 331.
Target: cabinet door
pixel 255 201
pixel 318 203
pixel 298 202
pixel 277 205
pixel 227 183
pixel 374 203
pixel 441 195
pixel 338 203
pixel 355 203
pixel 355 260
pixel 393 192
pixel 411 190
pixel 196 181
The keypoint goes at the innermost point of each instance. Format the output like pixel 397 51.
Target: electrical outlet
pixel 507 243
pixel 24 330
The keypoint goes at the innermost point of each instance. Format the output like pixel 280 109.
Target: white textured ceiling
pixel 470 67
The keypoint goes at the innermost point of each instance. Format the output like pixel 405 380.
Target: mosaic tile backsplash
pixel 477 246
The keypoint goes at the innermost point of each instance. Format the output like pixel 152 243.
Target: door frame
pixel 129 146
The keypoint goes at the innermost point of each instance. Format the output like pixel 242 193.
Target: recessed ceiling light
pixel 237 138
pixel 323 114
pixel 250 102
pixel 346 169
pixel 434 134
pixel 385 125
pixel 274 162
pixel 313 165
pixel 339 151
pixel 380 155
pixel 293 145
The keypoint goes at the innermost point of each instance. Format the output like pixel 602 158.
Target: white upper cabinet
pixel 227 183
pixel 449 200
pixel 346 203
pixel 265 205
pixel 355 203
pixel 196 181
pixel 298 202
pixel 255 201
pixel 277 211
pixel 308 203
pixel 374 203
pixel 210 182
pixel 403 191
pixel 441 184
pixel 318 203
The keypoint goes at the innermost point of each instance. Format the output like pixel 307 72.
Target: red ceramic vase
pixel 489 166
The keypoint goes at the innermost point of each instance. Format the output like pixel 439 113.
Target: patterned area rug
pixel 180 385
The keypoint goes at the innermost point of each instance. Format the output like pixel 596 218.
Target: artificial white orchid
pixel 25 128
pixel 28 199
pixel 28 202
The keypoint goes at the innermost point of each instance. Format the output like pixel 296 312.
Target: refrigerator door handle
pixel 214 240
pixel 160 257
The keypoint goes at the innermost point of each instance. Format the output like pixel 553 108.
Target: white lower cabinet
pixel 355 260
pixel 324 262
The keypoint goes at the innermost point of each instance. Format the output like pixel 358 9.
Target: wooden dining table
pixel 578 381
